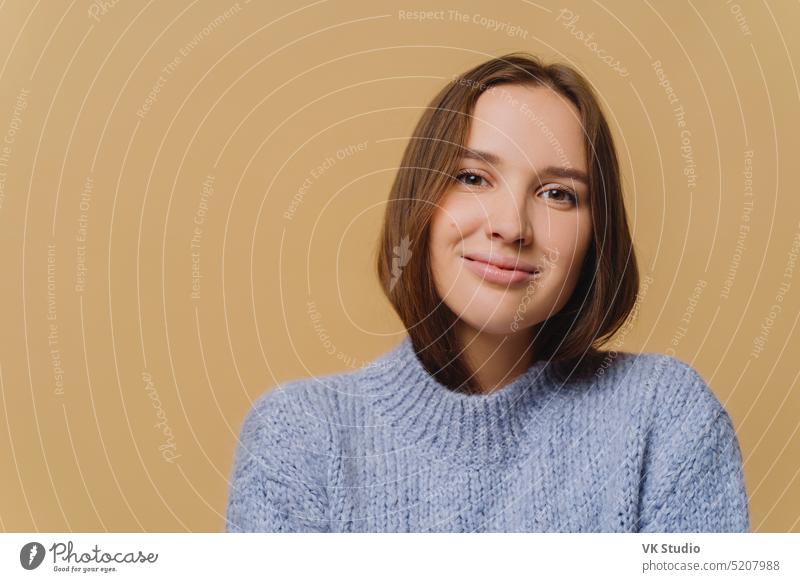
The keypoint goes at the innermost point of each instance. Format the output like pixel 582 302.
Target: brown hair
pixel 606 291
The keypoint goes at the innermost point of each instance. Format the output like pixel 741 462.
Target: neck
pixel 442 424
pixel 495 359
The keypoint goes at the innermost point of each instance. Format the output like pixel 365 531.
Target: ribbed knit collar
pixel 452 426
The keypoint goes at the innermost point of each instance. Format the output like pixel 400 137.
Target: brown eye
pixel 561 195
pixel 469 178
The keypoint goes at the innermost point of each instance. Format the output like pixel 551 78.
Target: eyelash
pixel 573 197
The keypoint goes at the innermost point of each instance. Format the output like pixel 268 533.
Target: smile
pixel 493 273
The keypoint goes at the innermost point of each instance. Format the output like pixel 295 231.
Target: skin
pixel 516 208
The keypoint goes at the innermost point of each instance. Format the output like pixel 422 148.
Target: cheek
pixel 565 238
pixel 453 220
pixel 440 240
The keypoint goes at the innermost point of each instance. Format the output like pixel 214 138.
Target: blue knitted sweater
pixel 644 446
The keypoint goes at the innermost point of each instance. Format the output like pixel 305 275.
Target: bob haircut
pixel 605 293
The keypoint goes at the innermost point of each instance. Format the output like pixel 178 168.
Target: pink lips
pixel 500 269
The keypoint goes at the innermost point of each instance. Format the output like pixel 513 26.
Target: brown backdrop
pixel 190 195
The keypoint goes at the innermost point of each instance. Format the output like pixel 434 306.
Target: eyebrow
pixel 558 171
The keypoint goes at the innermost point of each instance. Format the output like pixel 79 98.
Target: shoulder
pixel 667 387
pixel 669 375
pixel 642 362
pixel 682 406
pixel 297 414
pixel 680 386
pixel 692 476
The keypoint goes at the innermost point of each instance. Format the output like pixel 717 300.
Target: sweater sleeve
pixel 692 479
pixel 278 481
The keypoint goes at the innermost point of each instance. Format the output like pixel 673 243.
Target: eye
pixel 471 178
pixel 561 194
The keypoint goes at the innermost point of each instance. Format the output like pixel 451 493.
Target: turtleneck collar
pixel 448 425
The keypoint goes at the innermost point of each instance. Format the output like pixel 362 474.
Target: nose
pixel 508 218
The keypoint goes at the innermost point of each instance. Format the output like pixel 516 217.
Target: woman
pixel 507 255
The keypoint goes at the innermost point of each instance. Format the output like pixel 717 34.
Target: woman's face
pixel 509 237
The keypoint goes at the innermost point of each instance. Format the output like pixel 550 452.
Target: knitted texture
pixel 643 446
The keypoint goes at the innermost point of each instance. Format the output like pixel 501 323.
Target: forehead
pixel 528 125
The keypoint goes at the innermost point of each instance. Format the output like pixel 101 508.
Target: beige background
pixel 261 97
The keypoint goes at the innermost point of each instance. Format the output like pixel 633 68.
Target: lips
pixel 500 269
pixel 503 262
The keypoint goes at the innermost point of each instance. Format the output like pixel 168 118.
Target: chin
pixel 500 322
